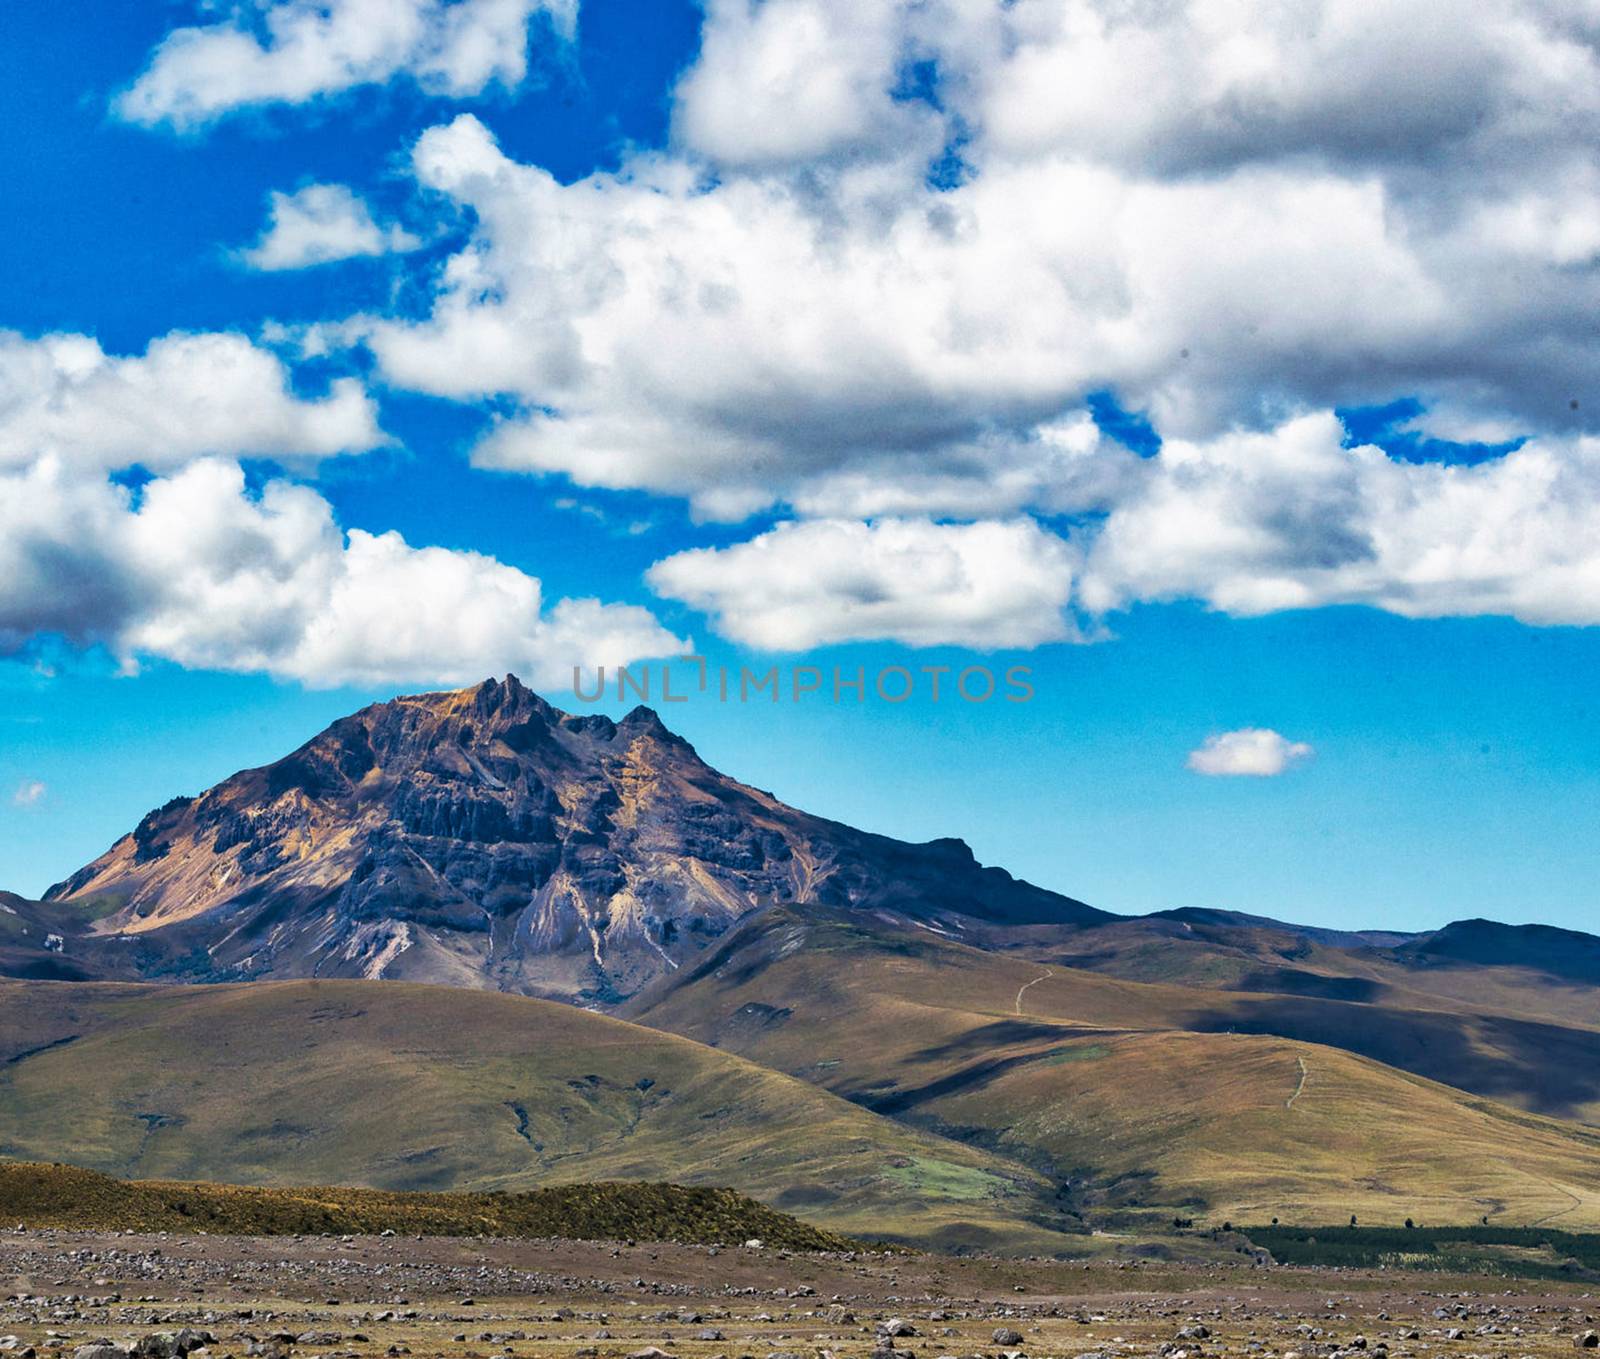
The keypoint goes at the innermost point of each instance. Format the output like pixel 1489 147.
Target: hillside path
pixel 1289 1103
pixel 1560 1212
pixel 1025 985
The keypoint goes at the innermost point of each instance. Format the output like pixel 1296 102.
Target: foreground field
pixel 467 1298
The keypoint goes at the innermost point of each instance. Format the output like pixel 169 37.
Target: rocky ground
pixel 106 1295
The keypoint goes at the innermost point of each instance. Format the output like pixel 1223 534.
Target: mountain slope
pixel 1144 1097
pixel 409 1087
pixel 481 838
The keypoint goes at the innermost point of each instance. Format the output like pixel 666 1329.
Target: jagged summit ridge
pixel 483 837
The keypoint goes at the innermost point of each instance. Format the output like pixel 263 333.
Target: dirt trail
pixel 1560 1212
pixel 1026 985
pixel 1289 1103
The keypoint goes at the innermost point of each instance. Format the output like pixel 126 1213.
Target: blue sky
pixel 722 319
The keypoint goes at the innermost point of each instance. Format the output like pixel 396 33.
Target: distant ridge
pixel 1208 915
pixel 1567 954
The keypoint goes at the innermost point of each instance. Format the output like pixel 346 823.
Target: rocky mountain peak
pixel 483 837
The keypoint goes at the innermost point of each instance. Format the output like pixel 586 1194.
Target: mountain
pixel 404 1087
pixel 482 838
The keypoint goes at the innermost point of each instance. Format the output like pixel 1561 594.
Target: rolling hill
pixel 406 1087
pixel 1145 1099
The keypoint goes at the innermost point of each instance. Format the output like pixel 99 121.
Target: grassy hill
pixel 1135 1091
pixel 1244 1127
pixel 402 1087
pixel 43 1195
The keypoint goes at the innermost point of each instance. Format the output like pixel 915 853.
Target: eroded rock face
pixel 481 837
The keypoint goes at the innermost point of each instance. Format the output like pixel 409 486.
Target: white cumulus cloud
pixel 196 567
pixel 30 793
pixel 893 249
pixel 319 224
pixel 751 338
pixel 185 396
pixel 199 569
pixel 1251 523
pixel 786 81
pixel 1250 752
pixel 296 51
pixel 985 585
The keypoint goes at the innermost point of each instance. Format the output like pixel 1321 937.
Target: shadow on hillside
pixel 985 1038
pixel 1543 1067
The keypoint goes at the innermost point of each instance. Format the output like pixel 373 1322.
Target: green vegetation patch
pixel 34 1194
pixel 921 1174
pixel 1086 1052
pixel 1515 1252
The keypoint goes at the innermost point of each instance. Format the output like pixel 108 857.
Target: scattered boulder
pixel 171 1344
pixel 1004 1335
pixel 1587 1341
